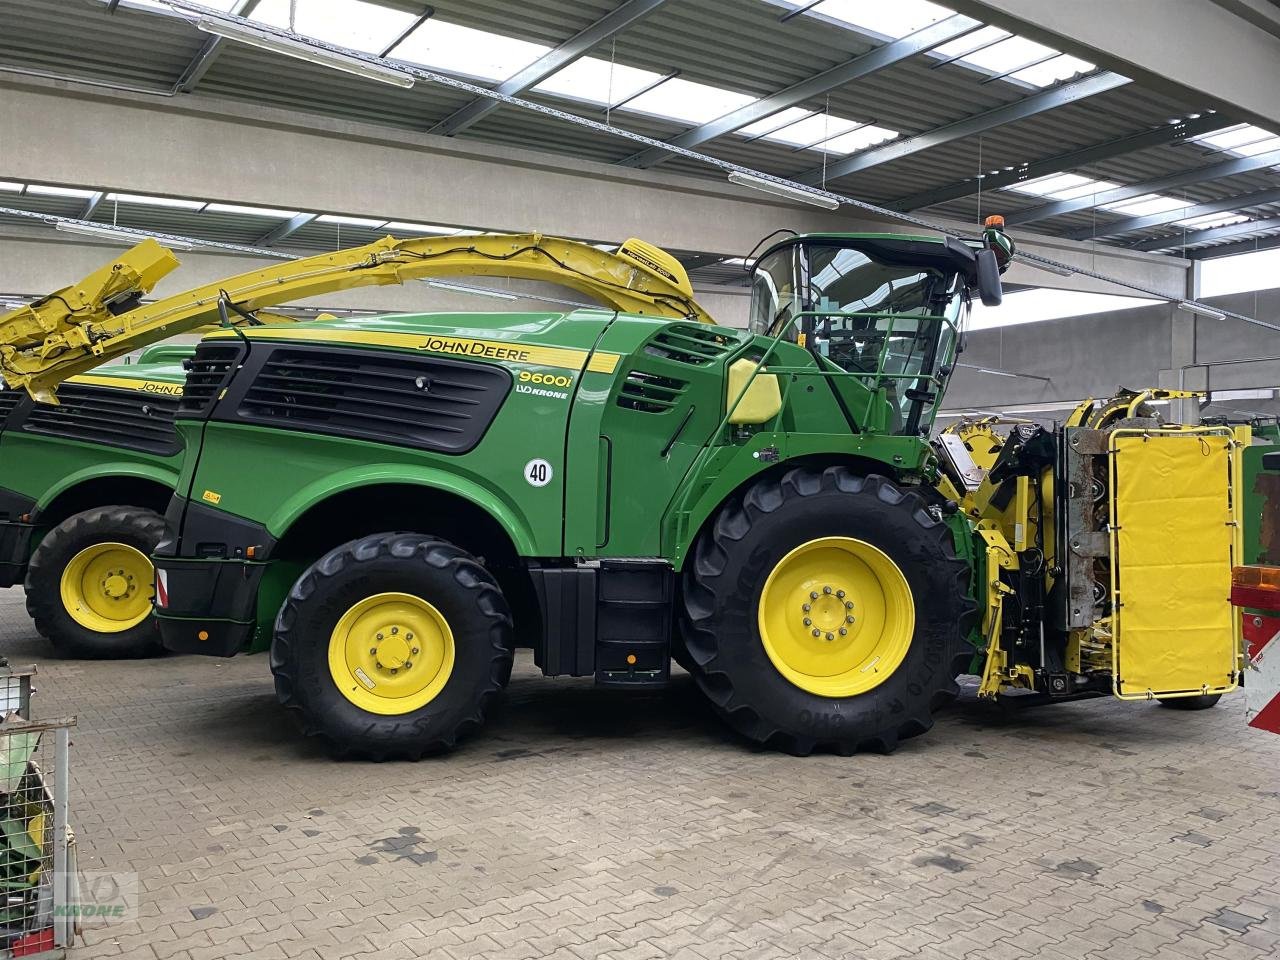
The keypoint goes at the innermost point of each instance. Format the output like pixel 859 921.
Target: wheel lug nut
pixel 393 670
pixel 840 594
pixel 817 632
pixel 379 637
pixel 807 607
pixel 415 651
pixel 848 619
pixel 373 651
pixel 813 595
pixel 395 629
pixel 808 622
pixel 826 590
pixel 843 632
pixel 409 636
pixel 830 636
pixel 408 664
pixel 848 604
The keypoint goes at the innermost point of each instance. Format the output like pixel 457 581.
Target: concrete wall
pixel 1146 346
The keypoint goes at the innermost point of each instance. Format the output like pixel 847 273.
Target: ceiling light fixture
pixel 115 233
pixel 309 51
pixel 1200 310
pixel 783 190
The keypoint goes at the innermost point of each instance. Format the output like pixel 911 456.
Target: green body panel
pixel 1261 507
pixel 43 467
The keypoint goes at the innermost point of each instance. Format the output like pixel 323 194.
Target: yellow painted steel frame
pixel 998 673
pixel 71 331
pixel 1174 633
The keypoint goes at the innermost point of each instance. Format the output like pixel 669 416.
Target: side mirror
pixel 990 289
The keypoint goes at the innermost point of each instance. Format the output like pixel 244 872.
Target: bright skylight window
pixel 775 122
pixel 687 101
pixel 251 211
pixel 812 129
pixel 349 23
pixel 1243 140
pixel 598 81
pixel 1145 205
pixel 349 221
pixel 1061 67
pixel 41 190
pixel 1211 220
pixel 10 187
pixel 462 50
pixel 892 20
pixel 155 201
pixel 400 226
pixel 1063 186
pixel 224 5
pixel 971 41
pixel 1009 55
pixel 1238 274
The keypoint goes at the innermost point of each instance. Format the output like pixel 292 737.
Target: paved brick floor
pixel 581 824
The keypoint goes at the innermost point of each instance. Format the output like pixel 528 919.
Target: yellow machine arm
pixel 87 324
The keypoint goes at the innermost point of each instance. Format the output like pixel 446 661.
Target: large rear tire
pixel 881 609
pixel 90 582
pixel 392 646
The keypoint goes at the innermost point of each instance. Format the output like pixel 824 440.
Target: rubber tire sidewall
pixel 138 527
pixel 1203 702
pixel 735 671
pixel 442 574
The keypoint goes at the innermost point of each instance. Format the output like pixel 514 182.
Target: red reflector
pixel 1256 586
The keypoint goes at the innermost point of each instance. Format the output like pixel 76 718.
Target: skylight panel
pixel 812 129
pixel 155 201
pixel 40 190
pixel 251 211
pixel 224 5
pixel 971 41
pixel 775 122
pixel 349 23
pixel 1235 137
pixel 1063 186
pixel 1008 55
pixel 349 221
pixel 598 81
pixel 10 187
pixel 472 53
pixel 1145 205
pixel 1211 220
pixel 1061 67
pixel 690 102
pixel 891 20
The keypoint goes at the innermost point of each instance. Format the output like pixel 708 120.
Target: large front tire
pixel 392 646
pixel 89 584
pixel 881 609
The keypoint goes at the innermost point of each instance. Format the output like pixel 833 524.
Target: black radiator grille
pixel 207 374
pixel 9 399
pixel 427 402
pixel 649 392
pixel 117 418
pixel 694 344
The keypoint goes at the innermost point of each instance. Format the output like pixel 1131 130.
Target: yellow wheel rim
pixel 836 616
pixel 107 587
pixel 391 653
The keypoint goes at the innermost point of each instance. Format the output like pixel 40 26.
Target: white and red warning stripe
pixel 162 588
pixel 1262 682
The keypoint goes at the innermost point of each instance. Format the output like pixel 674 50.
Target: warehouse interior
pixel 1129 154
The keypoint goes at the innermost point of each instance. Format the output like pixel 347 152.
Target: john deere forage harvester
pixel 390 505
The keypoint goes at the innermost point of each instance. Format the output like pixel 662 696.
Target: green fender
pixel 401 475
pixel 112 470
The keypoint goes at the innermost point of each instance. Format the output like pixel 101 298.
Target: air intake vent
pixel 695 344
pixel 116 418
pixel 9 399
pixel 649 392
pixel 426 402
pixel 207 374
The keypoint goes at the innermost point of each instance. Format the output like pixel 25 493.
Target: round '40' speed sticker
pixel 537 472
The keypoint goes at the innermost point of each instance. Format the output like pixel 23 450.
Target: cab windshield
pixel 894 324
